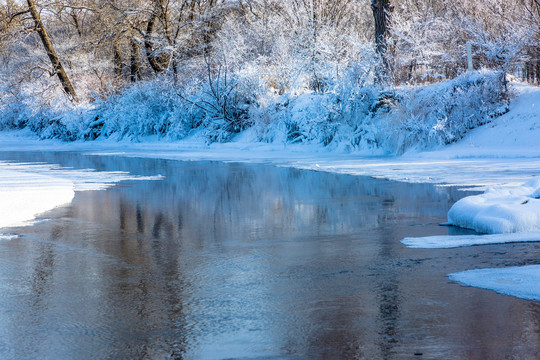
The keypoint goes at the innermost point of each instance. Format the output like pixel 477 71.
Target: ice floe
pixel 24 195
pixel 447 242
pixel 29 189
pixel 519 281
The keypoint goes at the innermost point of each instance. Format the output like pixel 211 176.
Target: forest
pixel 385 75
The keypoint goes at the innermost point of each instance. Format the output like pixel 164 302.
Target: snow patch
pixel 7 237
pixel 24 195
pixel 447 242
pixel 29 189
pixel 82 179
pixel 501 210
pixel 521 281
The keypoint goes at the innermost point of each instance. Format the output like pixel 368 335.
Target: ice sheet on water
pixel 447 242
pixel 81 179
pixel 28 189
pixel 521 281
pixel 24 195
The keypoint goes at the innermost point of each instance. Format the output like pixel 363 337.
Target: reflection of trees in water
pixel 154 292
pixel 132 307
pixel 226 201
pixel 157 228
pixel 388 284
pixel 230 200
pixel 43 273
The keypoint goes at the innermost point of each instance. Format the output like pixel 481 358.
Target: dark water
pixel 223 261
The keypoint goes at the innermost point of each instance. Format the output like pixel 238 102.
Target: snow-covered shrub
pixel 12 110
pixel 305 118
pixel 144 109
pixel 225 100
pixel 339 116
pixel 313 118
pixel 335 118
pixel 39 107
pixel 443 113
pixel 357 91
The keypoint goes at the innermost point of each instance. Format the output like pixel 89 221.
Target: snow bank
pixel 502 210
pixel 27 190
pixel 24 195
pixel 514 134
pixel 447 242
pixel 521 282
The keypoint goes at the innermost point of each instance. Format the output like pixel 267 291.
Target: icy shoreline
pixel 502 156
pixel 445 167
pixel 23 195
pixel 30 189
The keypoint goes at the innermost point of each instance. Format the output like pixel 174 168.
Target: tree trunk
pixel 135 62
pixel 381 14
pixel 152 59
pixel 537 72
pixel 57 65
pixel 117 61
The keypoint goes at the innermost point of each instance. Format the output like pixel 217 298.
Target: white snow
pixel 447 242
pixel 29 189
pixel 503 210
pixel 24 195
pixel 7 237
pixel 521 281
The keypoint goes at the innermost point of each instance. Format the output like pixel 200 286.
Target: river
pixel 247 261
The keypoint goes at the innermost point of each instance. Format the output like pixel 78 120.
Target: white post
pixel 469 57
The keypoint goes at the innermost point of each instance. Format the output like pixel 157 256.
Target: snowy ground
pixel 499 157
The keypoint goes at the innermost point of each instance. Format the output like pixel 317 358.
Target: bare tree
pixel 58 69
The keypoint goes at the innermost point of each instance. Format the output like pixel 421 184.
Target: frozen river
pixel 244 261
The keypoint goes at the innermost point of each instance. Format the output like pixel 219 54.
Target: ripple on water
pixel 230 261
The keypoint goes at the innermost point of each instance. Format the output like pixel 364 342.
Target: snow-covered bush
pixel 217 105
pixel 440 114
pixel 312 118
pixel 144 109
pixel 12 110
pixel 340 116
pixel 225 100
pixel 358 91
pixel 37 106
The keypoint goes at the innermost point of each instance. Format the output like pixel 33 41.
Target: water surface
pixel 226 260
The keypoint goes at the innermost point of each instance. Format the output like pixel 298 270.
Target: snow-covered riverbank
pixel 503 153
pixel 501 156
